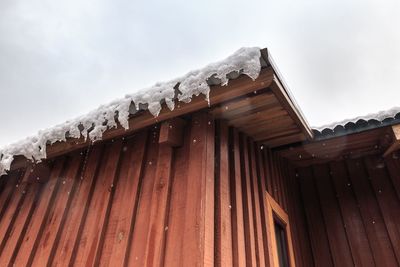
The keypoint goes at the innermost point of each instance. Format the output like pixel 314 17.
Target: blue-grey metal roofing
pixel 358 124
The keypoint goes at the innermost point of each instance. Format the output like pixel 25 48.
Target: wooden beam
pixel 395 131
pixel 171 132
pixel 218 94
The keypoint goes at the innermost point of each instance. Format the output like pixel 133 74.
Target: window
pixel 279 236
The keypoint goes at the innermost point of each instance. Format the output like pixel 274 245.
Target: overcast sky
pixel 60 59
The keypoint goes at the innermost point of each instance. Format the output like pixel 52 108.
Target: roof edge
pixel 297 112
pixel 358 124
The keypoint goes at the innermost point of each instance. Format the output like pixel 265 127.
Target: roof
pixel 371 134
pixel 174 98
pixel 257 102
pixel 358 124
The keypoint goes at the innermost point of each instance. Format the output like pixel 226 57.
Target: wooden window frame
pixel 274 209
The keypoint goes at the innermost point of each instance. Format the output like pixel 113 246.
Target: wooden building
pixel 239 181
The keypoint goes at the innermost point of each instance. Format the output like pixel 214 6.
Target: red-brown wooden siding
pixel 135 202
pixel 353 211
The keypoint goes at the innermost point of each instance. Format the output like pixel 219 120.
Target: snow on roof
pixel 379 117
pixel 92 125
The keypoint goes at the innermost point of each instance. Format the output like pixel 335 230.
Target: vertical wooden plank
pixel 58 212
pixel 251 254
pixel 158 207
pixel 223 233
pixel 256 204
pixel 273 177
pixel 175 241
pixel 301 239
pixel 8 192
pixel 27 195
pixel 96 221
pixel 278 181
pixel 73 225
pixel 356 234
pixel 8 184
pixel 239 245
pixel 124 206
pixel 377 234
pixel 387 200
pixel 199 213
pixel 268 171
pixel 318 236
pixel 35 227
pixel 137 248
pixel 292 218
pixel 208 191
pixel 282 181
pixel 333 222
pixel 262 200
pixel 12 211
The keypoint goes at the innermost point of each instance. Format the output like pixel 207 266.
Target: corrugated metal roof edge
pixel 358 124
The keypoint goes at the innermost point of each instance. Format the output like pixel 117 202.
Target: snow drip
pixel 92 125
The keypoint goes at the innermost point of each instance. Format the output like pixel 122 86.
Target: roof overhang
pixel 382 141
pixel 264 109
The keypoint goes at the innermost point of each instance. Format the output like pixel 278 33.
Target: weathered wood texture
pixel 151 199
pixel 353 211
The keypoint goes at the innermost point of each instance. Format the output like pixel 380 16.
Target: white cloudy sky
pixel 60 59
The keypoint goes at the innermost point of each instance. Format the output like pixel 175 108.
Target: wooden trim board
pixel 273 208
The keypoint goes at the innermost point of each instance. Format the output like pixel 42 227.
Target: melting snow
pixel 92 125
